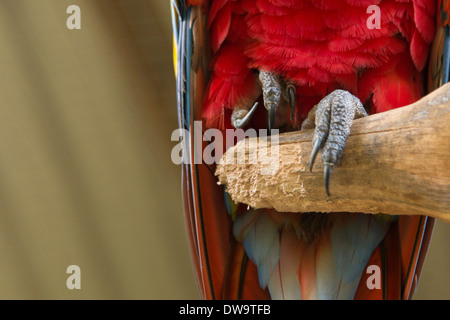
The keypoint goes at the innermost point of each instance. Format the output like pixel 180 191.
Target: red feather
pixel 313 42
pixel 221 25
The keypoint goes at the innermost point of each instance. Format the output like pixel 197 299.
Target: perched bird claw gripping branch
pixel 333 118
pixel 311 64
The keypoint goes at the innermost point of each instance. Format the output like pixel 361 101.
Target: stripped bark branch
pixel 396 162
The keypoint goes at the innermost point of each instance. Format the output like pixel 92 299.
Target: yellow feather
pixel 175 57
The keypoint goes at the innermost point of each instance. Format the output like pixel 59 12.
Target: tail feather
pixel 284 283
pixel 353 238
pixel 307 273
pixel 414 233
pixel 261 240
pixel 329 268
pixel 327 280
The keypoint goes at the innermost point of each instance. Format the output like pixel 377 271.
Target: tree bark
pixel 396 162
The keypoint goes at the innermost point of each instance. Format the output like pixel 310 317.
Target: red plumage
pixel 319 46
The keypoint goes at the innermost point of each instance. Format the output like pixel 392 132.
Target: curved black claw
pixel 333 118
pixel 240 117
pixel 291 98
pixel 328 170
pixel 272 110
pixel 316 147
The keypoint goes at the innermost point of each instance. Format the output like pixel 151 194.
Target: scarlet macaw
pixel 290 56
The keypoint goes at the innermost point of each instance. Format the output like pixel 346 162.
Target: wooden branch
pixel 396 162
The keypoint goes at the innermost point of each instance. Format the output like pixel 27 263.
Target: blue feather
pixel 261 239
pixel 446 58
pixel 353 239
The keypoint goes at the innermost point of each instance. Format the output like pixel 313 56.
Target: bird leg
pixel 272 89
pixel 332 117
pixel 289 95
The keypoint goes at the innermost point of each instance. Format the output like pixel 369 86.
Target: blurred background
pixel 86 176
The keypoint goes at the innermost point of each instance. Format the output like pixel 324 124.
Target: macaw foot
pixel 273 88
pixel 241 116
pixel 332 118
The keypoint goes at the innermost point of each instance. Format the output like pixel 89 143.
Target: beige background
pixel 85 171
